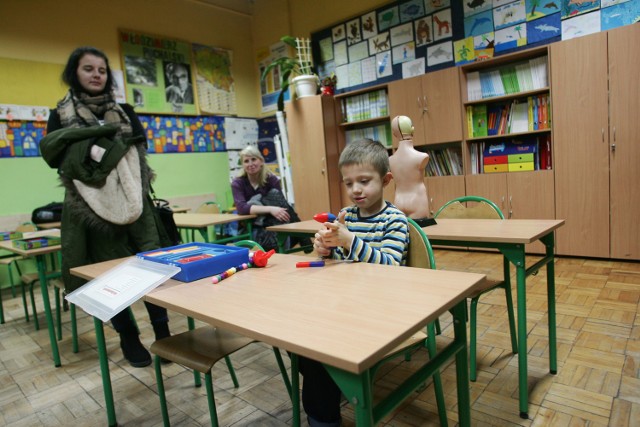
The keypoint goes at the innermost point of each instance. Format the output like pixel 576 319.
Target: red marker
pixel 324 217
pixel 303 264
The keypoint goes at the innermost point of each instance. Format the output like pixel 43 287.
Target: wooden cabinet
pixel 441 189
pixel 432 101
pixel 596 99
pixel 314 154
pixel 519 195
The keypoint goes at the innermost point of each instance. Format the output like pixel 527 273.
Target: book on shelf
pixel 526 153
pixel 474 89
pixel 380 132
pixel 444 162
pixel 365 106
pixel 479 120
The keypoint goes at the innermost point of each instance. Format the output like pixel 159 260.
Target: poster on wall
pixel 158 74
pixel 214 80
pixel 270 86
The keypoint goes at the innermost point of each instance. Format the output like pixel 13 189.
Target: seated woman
pixel 258 192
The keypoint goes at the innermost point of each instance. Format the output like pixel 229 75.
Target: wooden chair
pixel 207 207
pixel 199 349
pixel 479 207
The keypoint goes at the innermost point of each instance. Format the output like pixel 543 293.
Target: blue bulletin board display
pixel 407 38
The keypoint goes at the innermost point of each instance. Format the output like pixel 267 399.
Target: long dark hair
pixel 70 72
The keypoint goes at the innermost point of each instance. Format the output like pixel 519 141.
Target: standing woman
pixel 99 148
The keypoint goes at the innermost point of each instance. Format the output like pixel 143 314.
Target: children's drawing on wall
pixel 423 28
pixel 21 138
pixel 379 43
pixel 509 14
pixel 167 134
pixel 326 50
pixel 511 37
pixel 435 5
pixel 338 33
pixel 383 64
pixel 401 34
pixel 369 25
pixel 473 7
pixel 413 68
pixel 463 51
pixel 619 14
pixel 544 28
pixel 578 7
pixel 581 25
pixel 439 53
pixel 388 18
pixel 358 52
pixel 353 32
pixel 540 8
pixel 411 10
pixel 442 25
pixel 404 52
pixel 481 23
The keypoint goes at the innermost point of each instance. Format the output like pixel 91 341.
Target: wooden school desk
pixel 49 225
pixel 201 221
pixel 345 315
pixel 40 255
pixel 508 236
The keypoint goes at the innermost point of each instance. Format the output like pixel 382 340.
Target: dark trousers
pixel 320 394
pixel 122 322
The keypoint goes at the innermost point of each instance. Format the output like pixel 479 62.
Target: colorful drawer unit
pixel 495 160
pixel 197 260
pixel 504 167
pixel 521 158
pixel 36 242
pixel 521 167
pixel 10 235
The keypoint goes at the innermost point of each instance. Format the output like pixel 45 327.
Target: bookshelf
pixel 364 114
pixel 507 147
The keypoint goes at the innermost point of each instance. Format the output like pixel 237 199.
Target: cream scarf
pixel 119 200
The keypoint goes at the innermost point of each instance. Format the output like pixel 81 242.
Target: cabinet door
pixel 405 97
pixel 441 103
pixel 492 186
pixel 624 99
pixel 530 196
pixel 314 155
pixel 580 144
pixel 441 189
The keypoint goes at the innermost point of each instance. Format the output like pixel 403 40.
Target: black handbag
pixel 167 229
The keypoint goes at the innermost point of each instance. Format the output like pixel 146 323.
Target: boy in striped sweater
pixel 371 230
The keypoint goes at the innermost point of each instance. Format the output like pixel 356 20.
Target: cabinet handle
pixel 602 134
pixel 324 166
pixel 425 108
pixel 431 206
pixel 614 134
pixel 613 147
pixel 510 206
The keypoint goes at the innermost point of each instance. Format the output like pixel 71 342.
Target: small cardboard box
pixel 35 243
pixel 10 235
pixel 197 260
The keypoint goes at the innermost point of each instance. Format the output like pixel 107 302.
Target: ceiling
pixel 244 7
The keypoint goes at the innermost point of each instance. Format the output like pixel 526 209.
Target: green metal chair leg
pixel 24 304
pixel 213 414
pixel 1 309
pixel 58 314
pixel 232 372
pixel 33 306
pixel 472 339
pixel 437 379
pixel 161 394
pixel 512 320
pixel 74 328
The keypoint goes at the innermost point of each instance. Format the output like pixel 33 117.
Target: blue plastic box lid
pixel 197 260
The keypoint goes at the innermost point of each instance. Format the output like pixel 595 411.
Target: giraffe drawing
pixel 441 25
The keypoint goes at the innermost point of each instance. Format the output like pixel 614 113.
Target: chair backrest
pixel 477 207
pixel 420 252
pixel 208 207
pixel 249 244
pixel 26 227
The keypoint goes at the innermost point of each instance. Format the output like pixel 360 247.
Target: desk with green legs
pixel 40 256
pixel 311 312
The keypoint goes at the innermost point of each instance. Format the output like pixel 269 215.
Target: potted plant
pixel 296 70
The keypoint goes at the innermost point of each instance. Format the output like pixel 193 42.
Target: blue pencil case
pixel 197 260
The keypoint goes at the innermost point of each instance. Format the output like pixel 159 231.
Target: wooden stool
pixel 199 350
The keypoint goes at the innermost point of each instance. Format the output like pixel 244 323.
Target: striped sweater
pixel 382 238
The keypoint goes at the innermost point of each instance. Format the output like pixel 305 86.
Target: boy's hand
pixel 320 247
pixel 337 233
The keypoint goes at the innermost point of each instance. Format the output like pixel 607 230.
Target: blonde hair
pixel 252 151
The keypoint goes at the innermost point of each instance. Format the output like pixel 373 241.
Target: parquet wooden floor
pixel 598 383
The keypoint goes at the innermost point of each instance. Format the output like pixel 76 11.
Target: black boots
pixel 133 350
pixel 161 329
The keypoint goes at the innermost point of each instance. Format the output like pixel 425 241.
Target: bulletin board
pixel 164 75
pixel 411 37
